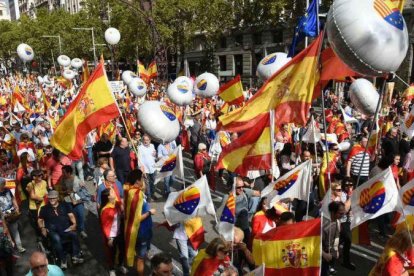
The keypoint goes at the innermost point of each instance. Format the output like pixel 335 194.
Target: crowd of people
pixel 119 157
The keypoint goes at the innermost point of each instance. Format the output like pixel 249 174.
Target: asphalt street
pixel 364 257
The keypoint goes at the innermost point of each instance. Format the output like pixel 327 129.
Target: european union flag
pixel 308 26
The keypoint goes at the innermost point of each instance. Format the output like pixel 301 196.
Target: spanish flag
pixel 46 102
pixel 108 128
pixel 325 170
pixel 333 68
pixel 142 72
pixel 409 93
pixel 289 92
pixel 18 99
pixel 290 249
pixel 93 106
pixel 360 234
pixel 64 82
pixel 251 151
pixel 152 70
pixel 232 92
pixel 195 231
pixel 108 218
pixel 134 199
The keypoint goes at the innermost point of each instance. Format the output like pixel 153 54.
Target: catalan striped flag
pixel 232 92
pixel 290 249
pixel 360 234
pixel 227 219
pixel 195 231
pixel 142 72
pixel 391 11
pixel 409 92
pixel 251 151
pixel 289 93
pixel 93 106
pixel 152 70
pixel 134 199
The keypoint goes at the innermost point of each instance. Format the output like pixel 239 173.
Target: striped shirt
pixel 356 164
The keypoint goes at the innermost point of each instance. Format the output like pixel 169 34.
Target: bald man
pixel 39 266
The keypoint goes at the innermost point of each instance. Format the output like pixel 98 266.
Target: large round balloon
pixel 25 52
pixel 76 63
pixel 63 60
pixel 112 36
pixel 127 76
pixel 364 96
pixel 180 91
pixel 159 121
pixel 138 87
pixel 370 36
pixel 206 85
pixel 68 74
pixel 270 64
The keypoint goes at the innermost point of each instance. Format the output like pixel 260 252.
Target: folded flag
pixel 290 249
pixel 193 201
pixel 348 118
pixel 232 92
pixel 294 184
pixel 170 165
pixel 93 106
pixel 377 196
pixel 227 219
pixel 195 231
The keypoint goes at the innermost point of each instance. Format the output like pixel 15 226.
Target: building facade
pixel 4 10
pixel 13 6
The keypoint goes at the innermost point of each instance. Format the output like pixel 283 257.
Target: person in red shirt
pixel 395 169
pixel 264 219
pixel 54 167
pixel 208 260
pixel 202 165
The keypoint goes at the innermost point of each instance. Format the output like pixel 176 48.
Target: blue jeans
pixel 79 211
pixel 150 189
pixel 90 157
pixel 78 165
pixel 187 254
pixel 58 239
pixel 168 182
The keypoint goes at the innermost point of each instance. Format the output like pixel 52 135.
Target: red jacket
pixel 199 162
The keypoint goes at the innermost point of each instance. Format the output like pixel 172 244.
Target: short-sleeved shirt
pixel 122 159
pixel 39 189
pixel 53 270
pixel 56 221
pixel 145 227
pixel 56 168
pixel 103 146
pixel 147 157
pixel 6 200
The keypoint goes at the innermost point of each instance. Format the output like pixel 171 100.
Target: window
pixel 257 39
pixel 223 42
pixel 278 36
pixel 1 13
pixel 238 40
pixel 223 63
pixel 238 62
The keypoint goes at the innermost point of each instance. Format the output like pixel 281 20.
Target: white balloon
pixel 344 146
pixel 127 76
pixel 25 52
pixel 270 64
pixel 138 87
pixel 40 79
pixel 206 85
pixel 368 42
pixel 63 60
pixel 180 91
pixel 76 63
pixel 112 36
pixel 364 96
pixel 159 121
pixel 68 74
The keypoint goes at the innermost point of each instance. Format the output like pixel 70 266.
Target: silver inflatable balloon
pixel 270 64
pixel 364 96
pixel 25 52
pixel 180 91
pixel 63 60
pixel 206 85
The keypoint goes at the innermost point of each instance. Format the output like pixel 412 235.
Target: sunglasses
pixel 338 190
pixel 239 188
pixel 39 267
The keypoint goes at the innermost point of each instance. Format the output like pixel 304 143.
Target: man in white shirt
pixel 148 154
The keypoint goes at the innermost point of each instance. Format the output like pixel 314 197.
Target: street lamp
pixel 93 40
pixel 60 42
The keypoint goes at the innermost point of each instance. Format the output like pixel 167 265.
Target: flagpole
pixel 371 128
pixel 272 138
pixel 310 178
pixel 233 191
pixel 314 139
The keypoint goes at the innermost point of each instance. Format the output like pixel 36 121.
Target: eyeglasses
pixel 335 149
pixel 239 188
pixel 39 267
pixel 337 190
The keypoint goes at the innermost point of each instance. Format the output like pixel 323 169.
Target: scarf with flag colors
pixel 227 219
pixel 193 201
pixel 290 249
pixel 109 215
pixel 232 92
pixel 195 231
pixel 204 264
pixel 251 151
pixel 326 170
pixel 289 92
pixel 170 165
pixel 355 150
pixel 294 184
pixel 134 199
pixel 93 106
pixel 377 196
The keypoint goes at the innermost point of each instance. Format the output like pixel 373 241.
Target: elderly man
pixel 39 266
pixel 147 157
pixel 57 221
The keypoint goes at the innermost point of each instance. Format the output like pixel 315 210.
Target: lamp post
pixel 60 41
pixel 93 40
pixel 112 37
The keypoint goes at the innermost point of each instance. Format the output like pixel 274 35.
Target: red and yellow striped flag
pixel 142 72
pixel 251 151
pixel 409 92
pixel 195 231
pixel 232 92
pixel 18 98
pixel 290 249
pixel 134 199
pixel 93 106
pixel 288 92
pixel 152 70
pixel 46 102
pixel 360 234
pixel 85 72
